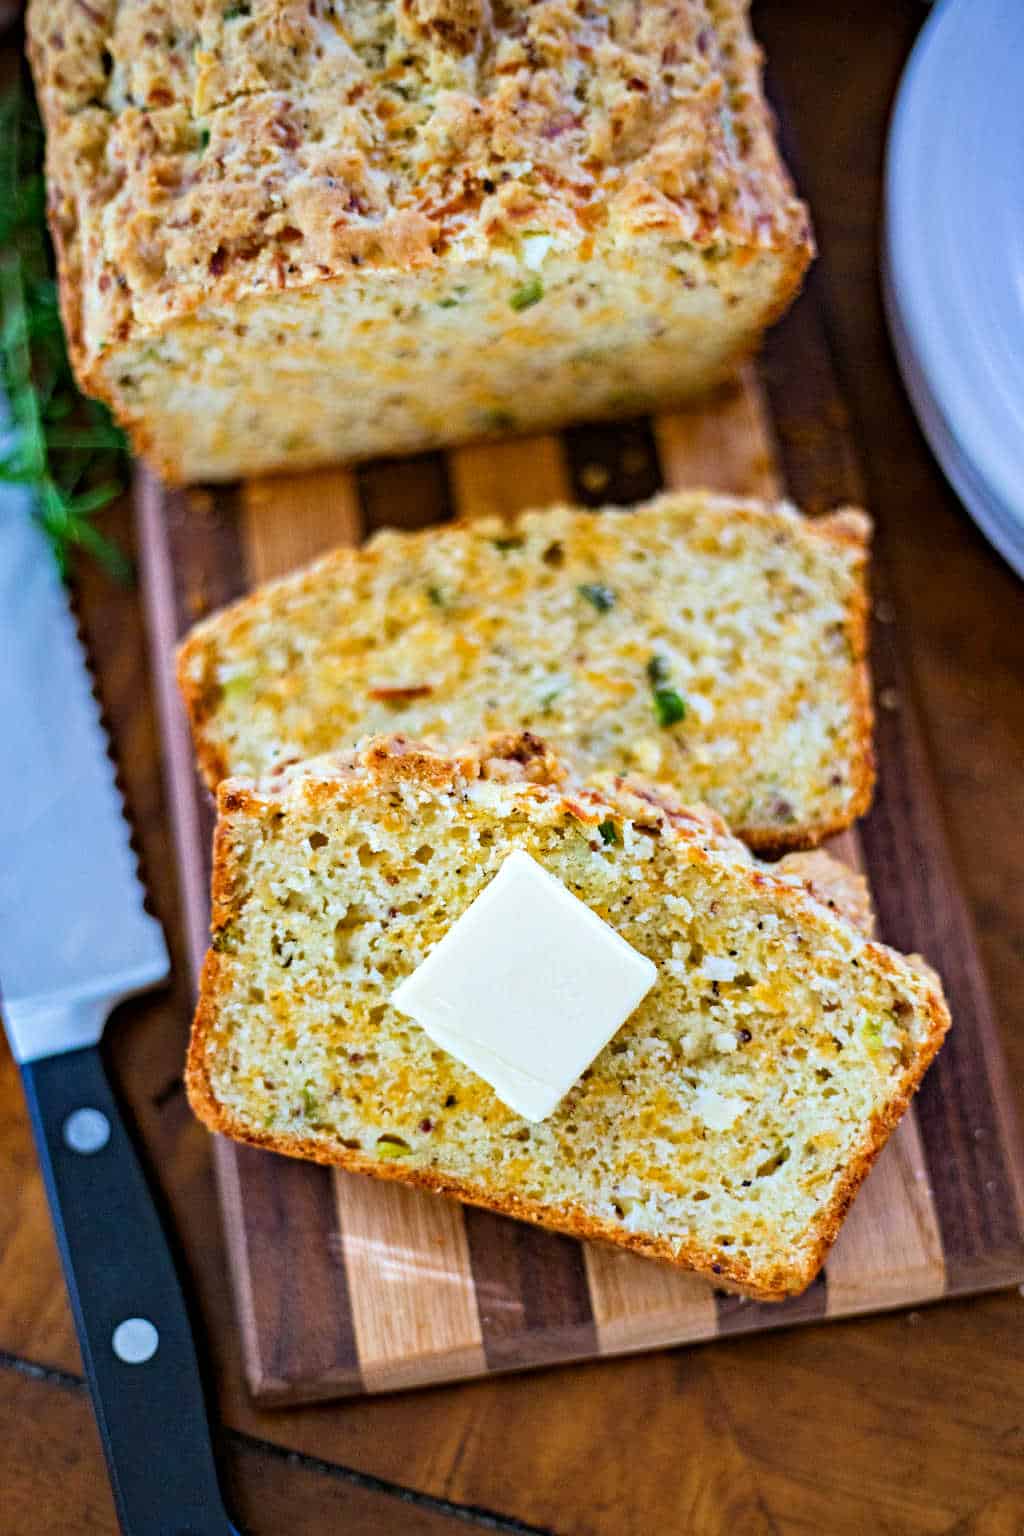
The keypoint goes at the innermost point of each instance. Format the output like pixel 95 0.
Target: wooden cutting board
pixel 346 1285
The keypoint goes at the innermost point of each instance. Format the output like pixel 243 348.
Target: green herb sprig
pixel 66 449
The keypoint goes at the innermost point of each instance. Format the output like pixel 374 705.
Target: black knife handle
pixel 127 1303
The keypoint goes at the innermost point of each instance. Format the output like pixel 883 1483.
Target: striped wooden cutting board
pixel 347 1285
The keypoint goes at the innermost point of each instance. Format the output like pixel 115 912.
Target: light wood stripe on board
pixel 726 445
pixel 410 1284
pixel 889 1252
pixel 287 520
pixel 641 1304
pixel 504 478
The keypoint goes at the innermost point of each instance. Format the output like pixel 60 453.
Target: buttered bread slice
pixel 728 1122
pixel 714 644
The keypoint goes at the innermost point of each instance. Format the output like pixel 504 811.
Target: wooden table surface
pixel 909 1423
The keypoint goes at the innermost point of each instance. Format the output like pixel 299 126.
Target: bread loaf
pixel 714 644
pixel 728 1123
pixel 296 231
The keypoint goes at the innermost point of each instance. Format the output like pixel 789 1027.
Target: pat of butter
pixel 526 987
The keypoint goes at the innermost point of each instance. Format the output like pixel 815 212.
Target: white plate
pixel 954 253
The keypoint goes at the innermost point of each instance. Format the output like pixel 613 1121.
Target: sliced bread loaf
pixel 725 1127
pixel 292 232
pixel 714 644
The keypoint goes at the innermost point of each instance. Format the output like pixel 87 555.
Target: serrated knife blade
pixel 74 933
pixel 74 939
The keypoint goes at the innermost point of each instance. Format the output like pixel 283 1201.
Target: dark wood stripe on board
pixel 296 1317
pixel 531 1292
pixel 191 564
pixel 612 462
pixel 737 1314
pixel 204 542
pixel 964 1109
pixel 405 493
pixel 808 414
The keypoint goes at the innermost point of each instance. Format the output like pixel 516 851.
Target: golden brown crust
pixel 395 759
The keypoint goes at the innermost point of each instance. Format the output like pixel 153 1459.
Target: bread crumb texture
pixel 729 1121
pixel 296 230
pixel 714 644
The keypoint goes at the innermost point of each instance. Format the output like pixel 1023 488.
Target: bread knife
pixel 75 940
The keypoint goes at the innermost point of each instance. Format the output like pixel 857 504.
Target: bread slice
pixel 595 630
pixel 729 1122
pixel 290 233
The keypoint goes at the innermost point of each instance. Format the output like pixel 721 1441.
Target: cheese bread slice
pixel 712 644
pixel 725 1126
